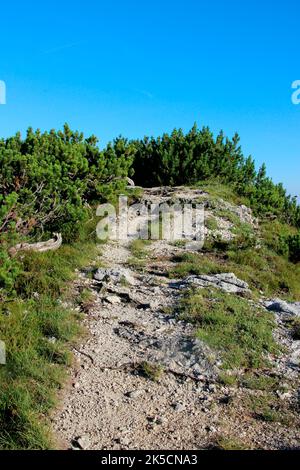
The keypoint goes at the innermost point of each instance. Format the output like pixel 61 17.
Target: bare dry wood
pixel 129 181
pixel 41 247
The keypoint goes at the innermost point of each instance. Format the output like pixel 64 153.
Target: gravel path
pixel 112 404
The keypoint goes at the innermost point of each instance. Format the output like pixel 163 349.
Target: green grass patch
pixel 264 270
pixel 136 263
pixel 216 190
pixel 260 382
pixel 227 214
pixel 275 233
pixel 38 332
pixel 227 379
pixel 193 263
pixel 86 300
pixel 229 443
pixel 138 248
pixel 179 243
pixel 37 335
pixel 267 408
pixel 259 258
pixel 211 223
pixel 240 331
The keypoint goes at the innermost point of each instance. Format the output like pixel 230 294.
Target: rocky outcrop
pixel 283 309
pixel 146 378
pixel 227 282
pixel 245 214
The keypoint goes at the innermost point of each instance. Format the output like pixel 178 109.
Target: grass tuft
pixel 38 333
pixel 240 331
pixel 138 248
pixel 150 371
pixel 229 443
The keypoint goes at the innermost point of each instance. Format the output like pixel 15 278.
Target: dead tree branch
pixel 41 247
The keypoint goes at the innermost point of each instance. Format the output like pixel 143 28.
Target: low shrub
pixel 294 247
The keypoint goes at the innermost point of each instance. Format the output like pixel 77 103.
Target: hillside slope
pixel 188 350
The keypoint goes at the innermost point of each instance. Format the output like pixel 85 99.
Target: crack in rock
pixel 227 282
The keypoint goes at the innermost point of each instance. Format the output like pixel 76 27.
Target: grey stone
pixel 212 388
pixel 227 282
pixel 205 410
pixel 283 395
pixel 283 308
pixel 114 275
pixel 295 358
pixel 197 369
pixel 81 442
pixel 123 441
pixel 135 394
pixel 179 407
pixel 113 299
pixel 211 429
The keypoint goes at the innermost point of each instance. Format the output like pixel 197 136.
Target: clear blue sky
pixel 145 67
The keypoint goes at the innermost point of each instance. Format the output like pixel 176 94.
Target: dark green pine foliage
pixel 47 179
pixel 179 159
pixel 48 182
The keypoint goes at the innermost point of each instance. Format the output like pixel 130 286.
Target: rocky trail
pixel 141 380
